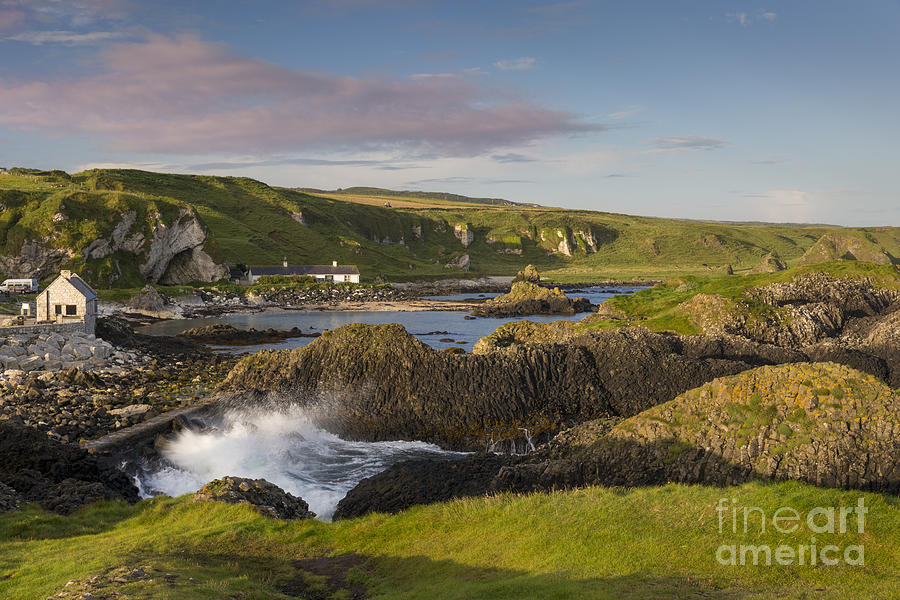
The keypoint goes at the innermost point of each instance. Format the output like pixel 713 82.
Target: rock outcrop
pixel 804 311
pixel 836 246
pixel 464 234
pixel 265 497
pixel 462 262
pixel 823 423
pixel 378 382
pixel 60 477
pixel 528 297
pixel 771 263
pixel 421 481
pixel 179 246
pixel 35 259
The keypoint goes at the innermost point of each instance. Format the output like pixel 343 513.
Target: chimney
pixel 334 263
pixel 284 262
pixel 65 274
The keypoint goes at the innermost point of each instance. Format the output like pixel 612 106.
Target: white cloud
pixel 677 143
pixel 524 63
pixel 68 38
pixel 746 19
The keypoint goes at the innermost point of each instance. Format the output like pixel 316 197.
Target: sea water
pixel 283 447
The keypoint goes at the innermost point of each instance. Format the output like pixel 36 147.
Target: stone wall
pixel 68 327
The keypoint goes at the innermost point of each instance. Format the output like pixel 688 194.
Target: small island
pixel 528 297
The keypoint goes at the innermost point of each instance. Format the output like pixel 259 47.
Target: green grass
pixel 660 307
pixel 591 543
pixel 252 223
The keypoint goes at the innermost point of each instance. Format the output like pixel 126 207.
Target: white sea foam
pixel 283 447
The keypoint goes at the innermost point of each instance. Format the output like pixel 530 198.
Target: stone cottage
pixel 68 299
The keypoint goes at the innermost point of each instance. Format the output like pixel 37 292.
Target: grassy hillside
pixel 371 195
pixel 252 223
pixel 658 542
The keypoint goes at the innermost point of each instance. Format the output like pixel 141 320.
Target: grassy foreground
pixel 592 543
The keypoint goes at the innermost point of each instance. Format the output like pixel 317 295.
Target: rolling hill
pixel 123 227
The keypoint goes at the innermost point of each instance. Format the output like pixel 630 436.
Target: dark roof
pixel 82 287
pixel 305 270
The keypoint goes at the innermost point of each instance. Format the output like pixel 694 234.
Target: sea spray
pixel 280 445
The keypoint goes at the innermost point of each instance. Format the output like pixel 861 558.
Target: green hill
pixel 50 219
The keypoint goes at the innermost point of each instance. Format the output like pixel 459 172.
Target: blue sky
pixel 727 110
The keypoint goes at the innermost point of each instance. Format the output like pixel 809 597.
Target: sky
pixel 783 111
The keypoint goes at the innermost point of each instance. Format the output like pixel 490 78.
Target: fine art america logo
pixel 821 520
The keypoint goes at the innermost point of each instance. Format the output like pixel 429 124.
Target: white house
pixel 68 299
pixel 334 272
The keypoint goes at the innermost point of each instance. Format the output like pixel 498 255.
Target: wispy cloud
pixel 71 14
pixel 525 63
pixel 459 179
pixel 628 111
pixel 184 95
pixel 677 143
pixel 512 157
pixel 67 38
pixel 745 19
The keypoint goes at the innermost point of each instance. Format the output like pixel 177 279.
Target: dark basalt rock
pixel 377 382
pixel 821 423
pixel 225 334
pixel 265 497
pixel 421 482
pixel 10 499
pixel 60 477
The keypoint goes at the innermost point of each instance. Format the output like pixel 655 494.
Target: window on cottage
pixel 71 309
pixel 57 309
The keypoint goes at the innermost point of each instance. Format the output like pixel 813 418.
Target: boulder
pixel 10 499
pixel 265 497
pixel 60 477
pixel 131 410
pixel 148 300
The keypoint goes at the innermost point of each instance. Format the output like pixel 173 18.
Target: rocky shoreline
pixel 584 395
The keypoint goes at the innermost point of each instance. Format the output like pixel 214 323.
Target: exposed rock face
pixel 148 300
pixel 835 246
pixel 377 382
pixel 192 265
pixel 821 423
pixel 35 260
pixel 462 262
pixel 771 263
pixel 167 241
pixel 464 234
pixel 421 482
pixel 60 477
pixel 265 497
pixel 798 313
pixel 529 274
pixel 119 240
